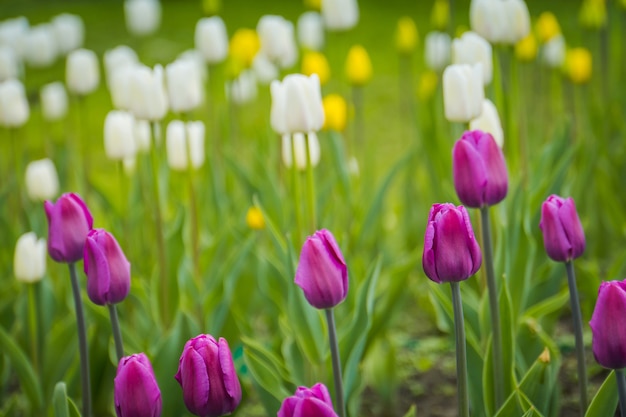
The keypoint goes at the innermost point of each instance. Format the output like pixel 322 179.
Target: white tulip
pixel 243 89
pixel 554 52
pixel 120 87
pixel 489 122
pixel 470 48
pixel 42 181
pixel 118 58
pixel 12 31
pixel 197 60
pixel 340 14
pixel 297 104
pixel 82 73
pixel 184 85
pixel 29 261
pixel 277 40
pixel 53 101
pixel 70 32
pixel 119 135
pixel 14 110
pixel 519 21
pixel 211 39
pixel 311 31
pixel 40 47
pixel 463 92
pixel 142 135
pixel 264 69
pixel 437 50
pixel 9 63
pixel 500 21
pixel 299 143
pixel 149 100
pixel 183 141
pixel 143 17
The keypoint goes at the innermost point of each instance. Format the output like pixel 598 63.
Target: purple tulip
pixel 136 391
pixel 206 373
pixel 106 267
pixel 322 273
pixel 69 221
pixel 451 252
pixel 308 402
pixel 480 176
pixel 607 327
pixel 563 235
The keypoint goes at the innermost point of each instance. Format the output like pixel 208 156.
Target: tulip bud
pixel 121 88
pixel 297 104
pixel 243 89
pixel 440 14
pixel 184 140
pixel 195 57
pixel 547 27
pixel 608 335
pixel 69 221
pixel 300 150
pixel 12 32
pixel 82 74
pixel 149 100
pixel 472 49
pixel 526 49
pixel 406 36
pixel 479 169
pixel 489 122
pixel 143 17
pixel 70 32
pixel 244 46
pixel 39 46
pixel 117 59
pixel 14 110
pixel 106 267
pixel 136 392
pixel 42 181
pixel 316 63
pixel 184 86
pixel 518 21
pixel 335 112
pixel 463 92
pixel 119 138
pixel 322 272
pixel 211 39
pixel 437 50
pixel 277 40
pixel 29 262
pixel 308 402
pixel 563 234
pixel 500 21
pixel 311 31
pixel 578 64
pixel 254 218
pixel 451 252
pixel 593 14
pixel 554 52
pixel 358 66
pixel 340 15
pixel 9 63
pixel 53 101
pixel 264 70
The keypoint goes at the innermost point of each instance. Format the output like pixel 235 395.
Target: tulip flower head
pixel 136 391
pixel 578 65
pixel 82 73
pixel 563 234
pixel 440 14
pixel 185 142
pixel 308 402
pixel 243 89
pixel 39 46
pixel 463 92
pixel 335 112
pixel 554 52
pixel 471 48
pixel 358 66
pixel 244 46
pixel 14 110
pixel 322 272
pixel 53 101
pixel 206 373
pixel 119 138
pixel 437 47
pixel 547 27
pixel 143 17
pixel 69 222
pixel 42 181
pixel 278 42
pixel 526 49
pixel 29 261
pixel 316 63
pixel 340 15
pixel 310 30
pixel 607 327
pixel 184 85
pixel 407 36
pixel 489 122
pixel 70 32
pixel 254 218
pixel 149 99
pixel 479 169
pixel 297 104
pixel 211 39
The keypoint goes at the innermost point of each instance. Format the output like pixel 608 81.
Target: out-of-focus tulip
pixel 578 65
pixel 254 218
pixel 358 66
pixel 340 15
pixel 121 88
pixel 14 110
pixel 106 267
pixel 593 14
pixel 427 85
pixel 500 21
pixel 136 392
pixel 9 63
pixel 29 261
pixel 211 39
pixel 243 89
pixel 463 92
pixel 554 52
pixel 407 36
pixel 53 101
pixel 471 48
pixel 149 100
pixel 335 112
pixel 547 27
pixel 40 47
pixel 264 70
pixel 142 135
pixel 489 122
pixel 310 30
pixel 297 104
pixel 322 272
pixel 244 46
pixel 70 32
pixel 117 59
pixel 143 17
pixel 440 15
pixel 184 86
pixel 119 135
pixel 183 141
pixel 42 181
pixel 451 252
pixel 563 234
pixel 195 57
pixel 82 74
pixel 316 63
pixel 526 49
pixel 479 169
pixel 300 150
pixel 69 221
pixel 437 47
pixel 12 32
pixel 207 375
pixel 277 40
pixel 609 338
pixel 308 402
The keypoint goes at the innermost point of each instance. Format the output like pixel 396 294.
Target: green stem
pixel 193 209
pixel 461 354
pixel 311 186
pixel 82 342
pixel 621 391
pixel 334 351
pixel 81 113
pixel 578 333
pixel 296 191
pixel 32 324
pixel 498 366
pixel 117 332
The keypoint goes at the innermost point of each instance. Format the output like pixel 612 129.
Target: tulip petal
pixel 312 407
pixel 288 407
pixel 453 261
pixel 428 257
pixel 575 234
pixel 195 382
pixel 493 159
pixel 471 242
pixel 97 270
pixel 609 337
pixel 136 391
pixel 470 174
pixel 554 237
pixel 119 269
pixel 229 374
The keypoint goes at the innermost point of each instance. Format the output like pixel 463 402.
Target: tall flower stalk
pixel 85 378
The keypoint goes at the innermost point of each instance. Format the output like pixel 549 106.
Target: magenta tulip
pixel 607 327
pixel 136 391
pixel 106 267
pixel 563 234
pixel 308 402
pixel 69 221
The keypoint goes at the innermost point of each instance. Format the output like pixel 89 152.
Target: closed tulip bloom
pixel 118 58
pixel 563 234
pixel 322 272
pixel 308 402
pixel 297 104
pixel 437 47
pixel 29 261
pixel 69 221
pixel 554 52
pixel 406 36
pixel 244 46
pixel 451 252
pixel 121 87
pixel 340 15
pixel 119 135
pixel 578 63
pixel 316 63
pixel 106 267
pixel 264 70
pixel 143 17
pixel 53 101
pixel 149 99
pixel 518 21
pixel 184 86
pixel 82 74
pixel 547 27
pixel 195 57
pixel 277 40
pixel 136 392
pixel 310 29
pixel 12 31
pixel 335 112
pixel 608 335
pixel 489 122
pixel 182 140
pixel 593 14
pixel 42 181
pixel 211 39
pixel 10 66
pixel 70 32
pixel 14 110
pixel 471 48
pixel 243 89
pixel 488 19
pixel 300 150
pixel 358 66
pixel 207 375
pixel 479 169
pixel 440 14
pixel 254 218
pixel 463 92
pixel 526 49
pixel 40 47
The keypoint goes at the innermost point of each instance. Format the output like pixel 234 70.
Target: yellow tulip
pixel 244 46
pixel 335 112
pixel 547 27
pixel 593 14
pixel 211 7
pixel 313 4
pixel 358 66
pixel 427 85
pixel 440 15
pixel 254 218
pixel 406 35
pixel 526 49
pixel 578 65
pixel 316 63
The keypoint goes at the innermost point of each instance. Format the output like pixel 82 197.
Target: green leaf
pixel 266 373
pixel 59 399
pixel 605 401
pixel 549 305
pixel 412 411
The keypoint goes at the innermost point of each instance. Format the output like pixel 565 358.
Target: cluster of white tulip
pixel 500 21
